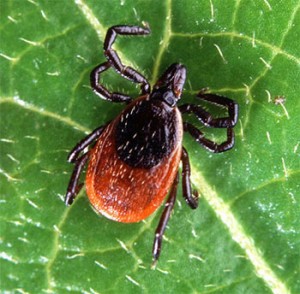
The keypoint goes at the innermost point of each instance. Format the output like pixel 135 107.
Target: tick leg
pixel 164 221
pixel 206 118
pixel 73 187
pixel 190 197
pixel 89 139
pixel 100 90
pixel 112 56
pixel 208 144
pixel 115 62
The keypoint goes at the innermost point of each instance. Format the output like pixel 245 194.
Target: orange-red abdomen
pixel 127 193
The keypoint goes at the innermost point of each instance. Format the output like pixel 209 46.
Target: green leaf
pixel 245 235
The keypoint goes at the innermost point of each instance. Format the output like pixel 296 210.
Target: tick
pixel 135 160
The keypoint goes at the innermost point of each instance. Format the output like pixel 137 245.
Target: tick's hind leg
pixel 164 221
pixel 85 142
pixel 74 187
pixel 191 197
pixel 114 61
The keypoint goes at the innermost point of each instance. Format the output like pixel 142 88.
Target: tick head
pixel 169 87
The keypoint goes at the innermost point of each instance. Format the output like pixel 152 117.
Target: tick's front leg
pixel 114 61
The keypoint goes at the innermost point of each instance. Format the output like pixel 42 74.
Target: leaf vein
pixel 223 212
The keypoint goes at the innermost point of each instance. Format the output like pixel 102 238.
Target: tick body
pixel 135 161
pixel 135 158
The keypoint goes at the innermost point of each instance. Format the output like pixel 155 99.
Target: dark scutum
pixel 146 133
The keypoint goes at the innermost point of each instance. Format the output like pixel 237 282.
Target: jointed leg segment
pixel 191 197
pixel 207 119
pixel 208 144
pixel 164 221
pixel 114 61
pixel 74 187
pixel 89 139
pixel 100 90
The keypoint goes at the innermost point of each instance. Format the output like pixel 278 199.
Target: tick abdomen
pixel 125 193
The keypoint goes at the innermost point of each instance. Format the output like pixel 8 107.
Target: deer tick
pixel 135 160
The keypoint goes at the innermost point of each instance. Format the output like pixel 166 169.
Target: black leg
pixel 164 221
pixel 206 118
pixel 208 144
pixel 100 90
pixel 73 187
pixel 89 139
pixel 190 197
pixel 115 62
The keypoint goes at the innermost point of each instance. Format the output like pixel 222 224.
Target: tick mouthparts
pixel 179 80
pixel 173 78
